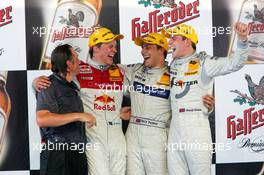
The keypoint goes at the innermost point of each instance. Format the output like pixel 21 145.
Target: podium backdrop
pixel 25 26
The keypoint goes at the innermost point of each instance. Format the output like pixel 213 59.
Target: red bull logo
pixel 105 101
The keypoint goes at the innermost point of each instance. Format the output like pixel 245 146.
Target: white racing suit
pixel 101 93
pixel 146 135
pixel 189 142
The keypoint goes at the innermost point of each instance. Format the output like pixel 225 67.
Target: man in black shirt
pixel 61 118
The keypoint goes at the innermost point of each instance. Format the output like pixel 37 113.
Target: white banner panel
pixel 34 133
pixel 12 34
pixel 240 115
pixel 212 169
pixel 140 17
pixel 14 173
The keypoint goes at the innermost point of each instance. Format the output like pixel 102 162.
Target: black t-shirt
pixel 61 97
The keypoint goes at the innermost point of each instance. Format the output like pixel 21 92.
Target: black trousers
pixel 63 162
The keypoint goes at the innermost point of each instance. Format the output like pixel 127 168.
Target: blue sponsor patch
pixel 151 90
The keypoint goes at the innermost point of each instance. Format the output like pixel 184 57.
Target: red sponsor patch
pixel 182 110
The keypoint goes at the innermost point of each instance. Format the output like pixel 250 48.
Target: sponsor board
pixel 240 115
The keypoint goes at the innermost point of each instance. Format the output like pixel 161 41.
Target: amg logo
pixel 140 78
pixel 173 72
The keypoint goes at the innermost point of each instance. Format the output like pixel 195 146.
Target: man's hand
pixel 88 118
pixel 41 82
pixel 209 102
pixel 242 31
pixel 125 113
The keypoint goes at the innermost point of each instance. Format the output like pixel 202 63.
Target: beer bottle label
pixel 252 13
pixel 72 24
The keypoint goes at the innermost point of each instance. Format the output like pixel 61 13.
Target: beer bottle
pixel 5 106
pixel 72 24
pixel 252 13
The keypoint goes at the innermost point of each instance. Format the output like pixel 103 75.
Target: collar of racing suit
pixel 98 65
pixel 149 70
pixel 183 60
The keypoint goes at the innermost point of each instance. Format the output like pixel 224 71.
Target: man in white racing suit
pixel 146 135
pixel 191 74
pixel 101 91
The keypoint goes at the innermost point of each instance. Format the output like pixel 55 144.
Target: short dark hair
pixel 91 49
pixel 193 45
pixel 59 57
